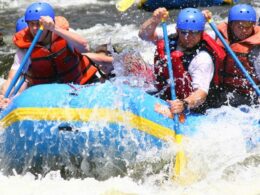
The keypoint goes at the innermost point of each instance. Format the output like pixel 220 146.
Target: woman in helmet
pixel 195 56
pixel 243 36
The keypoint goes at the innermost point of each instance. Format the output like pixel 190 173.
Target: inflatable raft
pixel 51 126
pixel 151 5
pixel 51 122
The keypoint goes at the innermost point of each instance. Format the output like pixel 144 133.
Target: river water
pixel 218 152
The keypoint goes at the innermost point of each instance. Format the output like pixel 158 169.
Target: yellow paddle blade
pixel 229 2
pixel 180 161
pixel 182 174
pixel 123 5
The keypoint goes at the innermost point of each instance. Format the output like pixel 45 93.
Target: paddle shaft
pixel 23 63
pixel 235 58
pixel 170 71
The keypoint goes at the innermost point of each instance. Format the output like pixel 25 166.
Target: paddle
pixel 231 2
pixel 123 5
pixel 235 58
pixel 180 161
pixel 23 63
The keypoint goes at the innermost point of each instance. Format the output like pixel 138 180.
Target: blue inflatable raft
pixel 59 121
pixel 48 127
pixel 151 5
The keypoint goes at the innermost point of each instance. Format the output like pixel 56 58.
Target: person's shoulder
pixel 204 56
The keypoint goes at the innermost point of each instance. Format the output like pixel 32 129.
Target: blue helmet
pixel 38 9
pixel 242 12
pixel 191 19
pixel 20 24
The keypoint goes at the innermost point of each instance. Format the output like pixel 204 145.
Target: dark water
pixel 84 17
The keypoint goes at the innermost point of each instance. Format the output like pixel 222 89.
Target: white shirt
pixel 19 55
pixel 201 70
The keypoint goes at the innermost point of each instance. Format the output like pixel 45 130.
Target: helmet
pixel 20 24
pixel 242 12
pixel 191 19
pixel 38 9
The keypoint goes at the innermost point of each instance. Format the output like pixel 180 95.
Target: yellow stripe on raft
pixel 89 115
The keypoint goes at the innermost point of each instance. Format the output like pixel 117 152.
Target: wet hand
pixel 160 14
pixel 4 102
pixel 164 110
pixel 207 14
pixel 47 23
pixel 176 106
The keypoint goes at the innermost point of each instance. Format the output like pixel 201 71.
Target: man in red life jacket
pixel 195 58
pixel 243 37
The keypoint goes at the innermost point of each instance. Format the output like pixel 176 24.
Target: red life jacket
pixel 57 64
pixel 180 62
pixel 232 77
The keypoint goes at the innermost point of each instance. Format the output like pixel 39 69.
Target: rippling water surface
pixel 217 154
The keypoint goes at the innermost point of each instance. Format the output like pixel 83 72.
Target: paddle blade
pixel 182 174
pixel 123 5
pixel 180 161
pixel 231 2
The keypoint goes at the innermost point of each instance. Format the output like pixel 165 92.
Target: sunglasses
pixel 186 32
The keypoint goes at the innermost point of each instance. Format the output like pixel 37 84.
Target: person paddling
pixel 195 58
pixel 56 57
pixel 243 36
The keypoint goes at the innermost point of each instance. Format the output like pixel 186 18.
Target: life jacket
pixel 231 75
pixel 180 64
pixel 59 63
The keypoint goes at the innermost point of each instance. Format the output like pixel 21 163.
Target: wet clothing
pixel 234 82
pixel 193 69
pixel 58 63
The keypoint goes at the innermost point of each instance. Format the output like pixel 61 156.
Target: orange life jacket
pixel 180 62
pixel 232 77
pixel 59 63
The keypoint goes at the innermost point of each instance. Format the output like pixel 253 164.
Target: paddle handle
pixel 235 58
pixel 171 76
pixel 23 63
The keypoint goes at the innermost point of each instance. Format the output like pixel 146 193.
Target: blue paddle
pixel 235 58
pixel 180 157
pixel 23 63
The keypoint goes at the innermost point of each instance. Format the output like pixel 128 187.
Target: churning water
pixel 218 154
